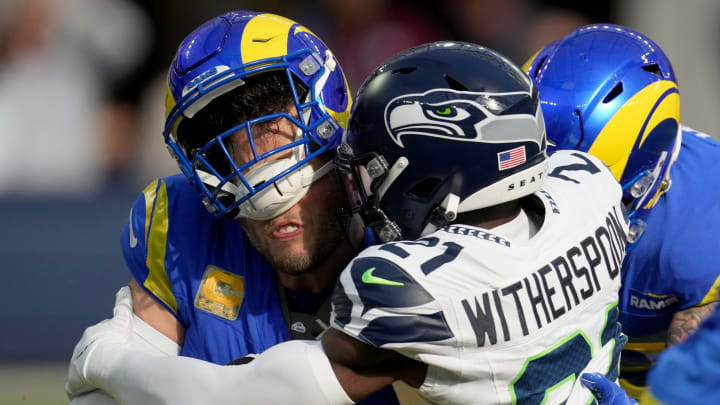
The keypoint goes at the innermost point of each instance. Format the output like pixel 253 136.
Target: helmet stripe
pixel 613 145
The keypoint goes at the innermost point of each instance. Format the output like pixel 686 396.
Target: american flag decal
pixel 511 158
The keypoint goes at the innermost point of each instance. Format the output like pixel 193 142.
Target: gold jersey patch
pixel 220 293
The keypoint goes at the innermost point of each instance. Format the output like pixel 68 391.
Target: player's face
pixel 309 232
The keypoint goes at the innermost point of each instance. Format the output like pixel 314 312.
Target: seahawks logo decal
pixel 463 116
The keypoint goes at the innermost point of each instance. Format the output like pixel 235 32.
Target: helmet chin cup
pixel 274 199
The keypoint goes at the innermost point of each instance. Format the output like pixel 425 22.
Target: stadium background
pixel 70 170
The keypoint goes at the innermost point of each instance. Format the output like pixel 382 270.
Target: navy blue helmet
pixel 440 129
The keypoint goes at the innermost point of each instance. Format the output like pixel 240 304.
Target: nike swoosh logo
pixel 133 239
pixel 368 278
pixel 263 40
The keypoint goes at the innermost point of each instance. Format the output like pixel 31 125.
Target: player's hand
pixel 606 391
pixel 108 333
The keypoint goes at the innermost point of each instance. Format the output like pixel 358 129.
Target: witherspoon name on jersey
pixel 552 290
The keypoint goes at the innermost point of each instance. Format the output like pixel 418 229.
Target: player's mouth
pixel 286 231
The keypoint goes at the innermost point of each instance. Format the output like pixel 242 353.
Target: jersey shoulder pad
pixel 582 169
pixel 144 238
pixel 379 302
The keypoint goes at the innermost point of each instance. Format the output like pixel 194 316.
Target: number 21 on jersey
pixel 549 377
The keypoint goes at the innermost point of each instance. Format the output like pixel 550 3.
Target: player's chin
pixel 291 248
pixel 291 262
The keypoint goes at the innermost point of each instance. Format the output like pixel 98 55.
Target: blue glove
pixel 606 391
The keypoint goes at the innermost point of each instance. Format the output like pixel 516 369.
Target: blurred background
pixel 81 115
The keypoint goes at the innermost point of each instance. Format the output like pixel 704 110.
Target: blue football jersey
pixel 673 267
pixel 204 271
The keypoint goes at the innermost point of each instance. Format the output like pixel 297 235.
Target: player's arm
pixel 297 371
pixel 685 322
pixel 291 372
pixel 154 314
pixel 125 330
pixel 105 359
pixel 363 369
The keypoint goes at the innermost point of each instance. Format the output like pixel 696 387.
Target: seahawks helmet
pixel 611 91
pixel 440 129
pixel 226 56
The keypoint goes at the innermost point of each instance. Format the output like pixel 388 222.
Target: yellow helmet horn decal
pixel 615 141
pixel 265 36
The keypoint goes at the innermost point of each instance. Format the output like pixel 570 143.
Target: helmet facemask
pixel 367 177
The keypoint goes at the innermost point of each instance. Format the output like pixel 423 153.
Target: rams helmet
pixel 611 91
pixel 224 56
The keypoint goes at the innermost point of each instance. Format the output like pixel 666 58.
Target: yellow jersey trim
pixel 648 399
pixel 157 280
pixel 645 347
pixel 712 295
pixel 634 391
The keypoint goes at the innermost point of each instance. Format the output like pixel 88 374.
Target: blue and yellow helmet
pixel 611 91
pixel 220 57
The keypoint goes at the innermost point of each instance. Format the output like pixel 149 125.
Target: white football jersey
pixel 498 320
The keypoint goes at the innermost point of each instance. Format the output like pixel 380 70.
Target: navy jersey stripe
pixel 402 329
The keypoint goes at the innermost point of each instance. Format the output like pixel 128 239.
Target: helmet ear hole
pixel 616 91
pixel 404 71
pixel 653 68
pixel 424 188
pixel 454 84
pixel 539 65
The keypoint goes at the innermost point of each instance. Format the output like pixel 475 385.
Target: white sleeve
pixel 149 340
pixel 96 397
pixel 131 332
pixel 292 372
